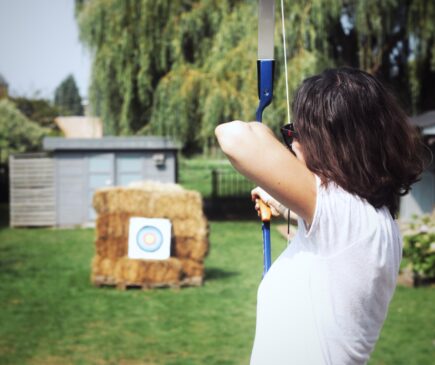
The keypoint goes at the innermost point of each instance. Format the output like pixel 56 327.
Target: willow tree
pixel 179 67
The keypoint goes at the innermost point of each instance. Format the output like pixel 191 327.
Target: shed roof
pixel 424 120
pixel 109 143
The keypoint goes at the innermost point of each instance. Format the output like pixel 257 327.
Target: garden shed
pixel 421 198
pixel 82 165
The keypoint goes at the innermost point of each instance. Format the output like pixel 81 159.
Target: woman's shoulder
pixel 335 196
pixel 346 209
pixel 341 219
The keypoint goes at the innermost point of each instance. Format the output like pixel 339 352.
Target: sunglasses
pixel 289 134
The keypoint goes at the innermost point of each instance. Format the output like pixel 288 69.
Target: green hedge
pixel 419 248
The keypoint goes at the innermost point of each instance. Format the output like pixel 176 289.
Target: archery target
pixel 149 238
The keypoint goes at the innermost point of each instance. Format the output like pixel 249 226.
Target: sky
pixel 39 47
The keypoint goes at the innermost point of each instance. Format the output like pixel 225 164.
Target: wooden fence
pixel 32 190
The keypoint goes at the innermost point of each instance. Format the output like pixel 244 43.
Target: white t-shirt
pixel 325 298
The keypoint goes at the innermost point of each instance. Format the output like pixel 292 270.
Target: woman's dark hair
pixel 353 132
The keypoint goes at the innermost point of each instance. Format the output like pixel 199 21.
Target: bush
pixel 40 111
pixel 18 133
pixel 419 248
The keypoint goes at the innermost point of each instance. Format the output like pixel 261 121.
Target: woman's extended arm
pixel 255 152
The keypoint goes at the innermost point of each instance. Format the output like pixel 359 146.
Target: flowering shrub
pixel 419 248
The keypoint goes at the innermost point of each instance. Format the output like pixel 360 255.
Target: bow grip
pixel 265 71
pixel 265 213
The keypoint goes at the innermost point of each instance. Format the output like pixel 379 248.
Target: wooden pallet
pixel 104 281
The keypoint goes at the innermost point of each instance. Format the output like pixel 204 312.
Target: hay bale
pixel 125 272
pixel 112 248
pixel 117 225
pixel 166 202
pixel 192 268
pixel 116 205
pixel 195 248
pixel 113 225
pixel 190 227
pixel 153 186
pixel 148 272
pixel 102 272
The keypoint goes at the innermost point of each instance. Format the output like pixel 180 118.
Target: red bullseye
pixel 149 239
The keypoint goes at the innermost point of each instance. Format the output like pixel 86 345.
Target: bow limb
pixel 265 71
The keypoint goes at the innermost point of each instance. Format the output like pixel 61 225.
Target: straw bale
pixel 187 204
pixel 195 248
pixel 192 227
pixel 148 185
pixel 131 271
pixel 192 268
pixel 111 248
pixel 102 270
pixel 114 246
pixel 149 202
pixel 146 273
pixel 113 225
pixel 116 205
pixel 117 225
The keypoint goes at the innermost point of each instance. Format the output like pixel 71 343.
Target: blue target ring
pixel 149 239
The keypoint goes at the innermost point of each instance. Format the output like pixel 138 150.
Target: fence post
pixel 214 183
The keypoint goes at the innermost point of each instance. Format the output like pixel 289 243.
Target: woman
pixel 325 298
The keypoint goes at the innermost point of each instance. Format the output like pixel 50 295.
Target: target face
pixel 149 239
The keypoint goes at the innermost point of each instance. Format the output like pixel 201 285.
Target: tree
pixel 67 97
pixel 178 68
pixel 41 111
pixel 17 133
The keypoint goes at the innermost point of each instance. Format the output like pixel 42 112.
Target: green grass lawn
pixel 195 173
pixel 50 313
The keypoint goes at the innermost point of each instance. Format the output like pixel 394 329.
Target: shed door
pixel 71 189
pixel 129 168
pixel 100 174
